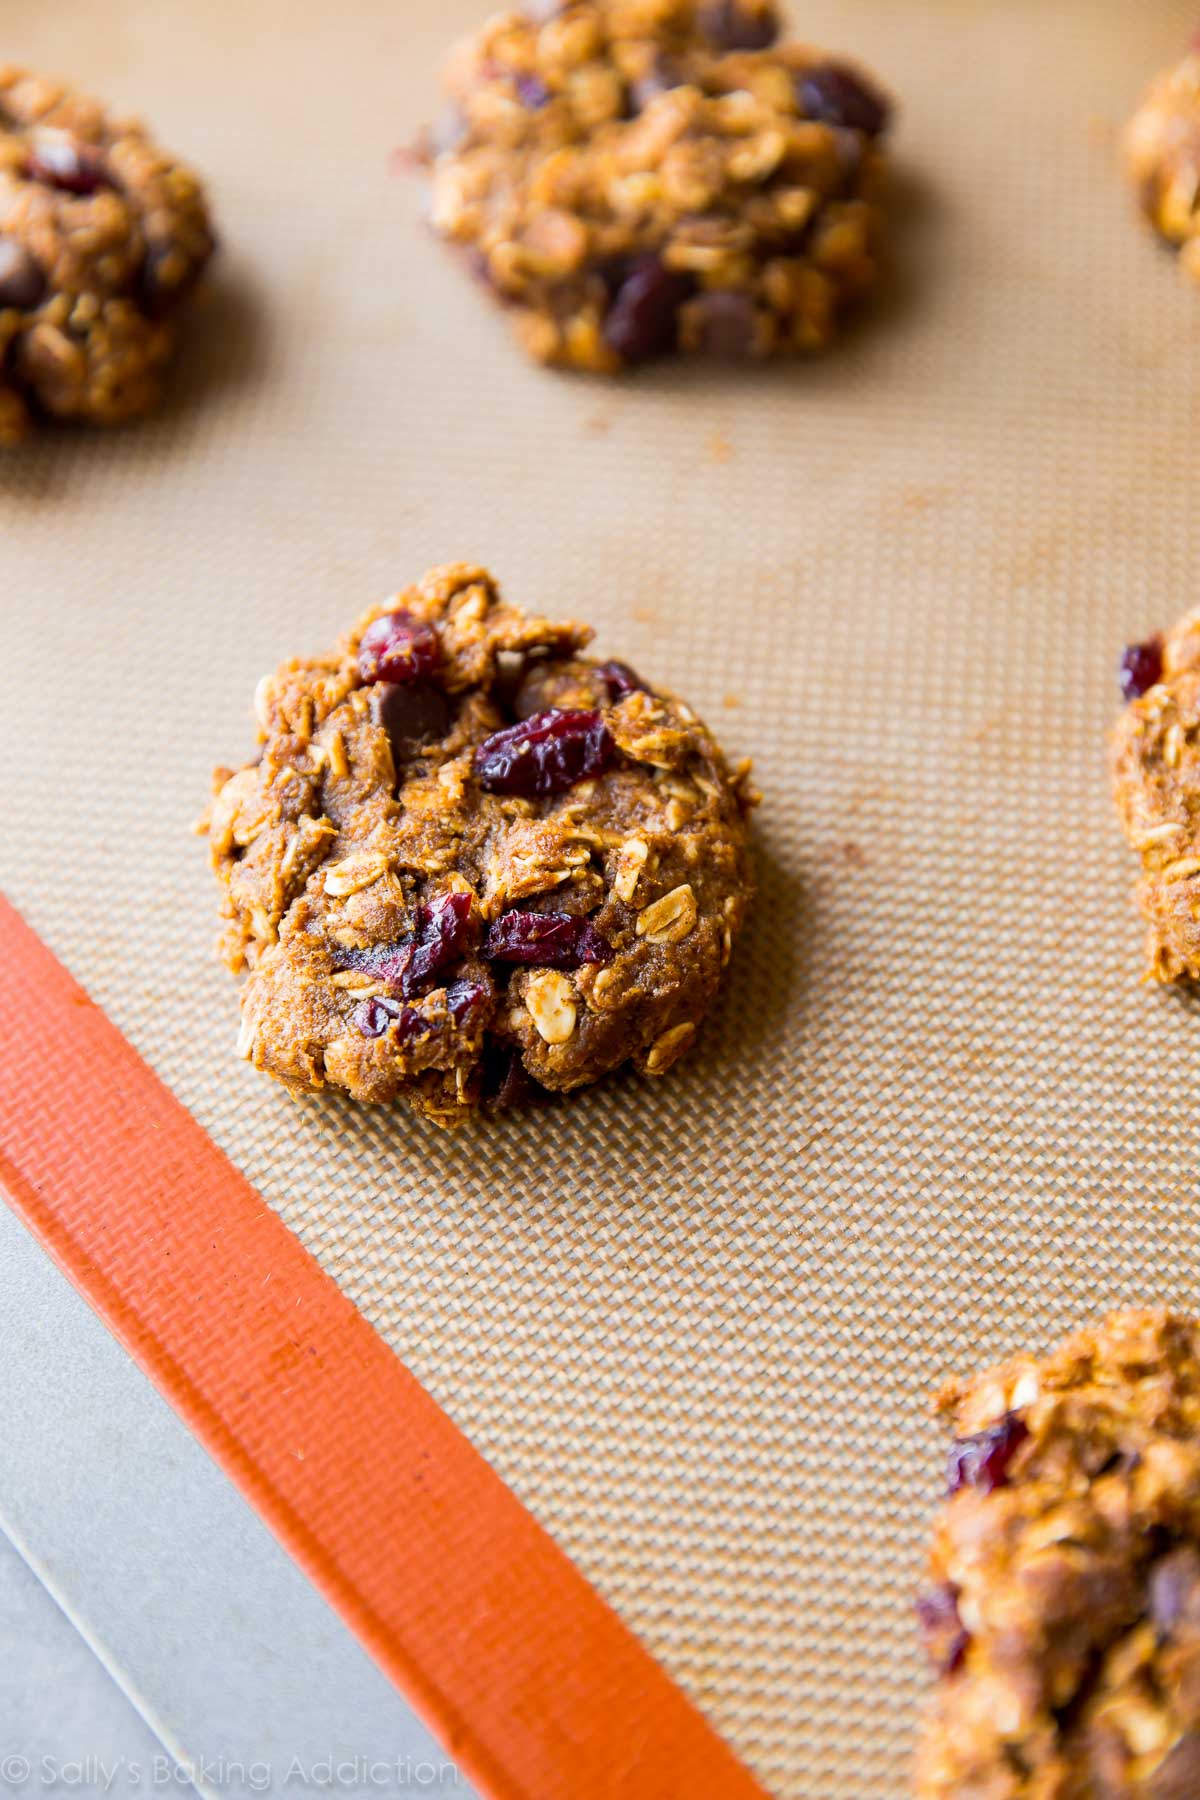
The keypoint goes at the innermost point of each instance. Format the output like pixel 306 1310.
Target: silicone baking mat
pixel 694 1325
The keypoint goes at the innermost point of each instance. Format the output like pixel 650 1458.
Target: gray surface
pixel 65 1725
pixel 220 1642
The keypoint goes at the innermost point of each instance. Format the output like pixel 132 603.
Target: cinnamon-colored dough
pixel 102 236
pixel 1156 774
pixel 1063 1610
pixel 635 177
pixel 337 849
pixel 1162 145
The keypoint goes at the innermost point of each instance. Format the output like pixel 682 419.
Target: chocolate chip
pixel 510 672
pixel 167 277
pixel 507 1085
pixel 411 713
pixel 154 291
pixel 22 283
pixel 725 324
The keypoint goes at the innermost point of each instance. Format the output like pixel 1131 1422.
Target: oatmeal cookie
pixel 1156 778
pixel 1064 1607
pixel 468 857
pixel 634 177
pixel 1162 146
pixel 101 237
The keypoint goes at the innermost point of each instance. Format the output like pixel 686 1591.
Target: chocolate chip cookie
pixel 1162 146
pixel 1156 768
pixel 634 177
pixel 469 861
pixel 1063 1613
pixel 101 237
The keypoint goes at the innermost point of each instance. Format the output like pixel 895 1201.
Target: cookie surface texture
pixel 1162 148
pixel 638 177
pixel 1063 1605
pixel 469 860
pixel 1156 779
pixel 102 236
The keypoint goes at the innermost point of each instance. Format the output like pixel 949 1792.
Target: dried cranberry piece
pixel 63 162
pixel 1141 667
pixel 546 754
pixel 412 713
pixel 835 95
pixel 397 647
pixel 532 91
pixel 412 1023
pixel 373 1017
pixel 941 1628
pixel 643 318
pixel 466 999
pixel 620 680
pixel 732 25
pixel 376 1016
pixel 22 284
pixel 552 940
pixel 444 934
pixel 981 1461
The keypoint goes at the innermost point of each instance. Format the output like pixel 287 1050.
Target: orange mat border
pixel 530 1681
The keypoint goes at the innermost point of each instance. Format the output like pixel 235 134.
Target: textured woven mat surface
pixel 694 1324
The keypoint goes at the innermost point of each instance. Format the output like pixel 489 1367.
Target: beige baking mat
pixel 694 1324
